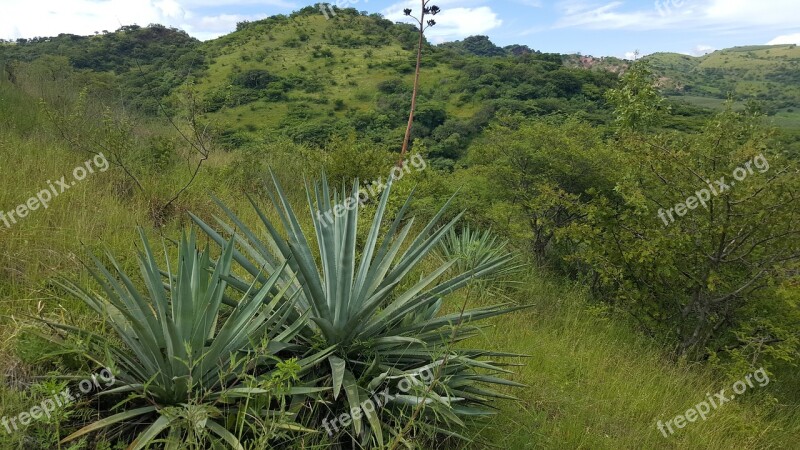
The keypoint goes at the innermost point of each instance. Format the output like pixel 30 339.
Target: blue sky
pixel 600 28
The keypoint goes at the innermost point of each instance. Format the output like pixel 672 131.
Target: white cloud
pixel 170 8
pixel 74 16
pixel 579 14
pixel 680 14
pixel 52 17
pixel 452 23
pixel 532 3
pixel 700 50
pixel 277 3
pixel 786 39
pixel 751 12
pixel 212 27
pixel 703 49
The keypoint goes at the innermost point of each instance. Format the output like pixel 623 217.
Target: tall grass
pixel 596 384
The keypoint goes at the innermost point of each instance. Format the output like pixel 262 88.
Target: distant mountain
pixel 767 74
pixel 312 77
pixel 153 60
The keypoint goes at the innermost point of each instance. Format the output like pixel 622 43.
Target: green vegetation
pixel 313 80
pixel 150 61
pixel 572 292
pixel 759 78
pixel 205 372
pixel 382 335
pixel 767 74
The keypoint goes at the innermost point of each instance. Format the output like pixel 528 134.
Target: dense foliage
pixel 301 72
pixel 148 63
pixel 693 235
pixel 185 364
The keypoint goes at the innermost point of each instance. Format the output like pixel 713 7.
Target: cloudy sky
pixel 592 27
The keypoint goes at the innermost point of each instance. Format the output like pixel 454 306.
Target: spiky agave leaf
pixel 470 248
pixel 175 343
pixel 356 302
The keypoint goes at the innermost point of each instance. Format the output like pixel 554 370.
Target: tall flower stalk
pixel 423 25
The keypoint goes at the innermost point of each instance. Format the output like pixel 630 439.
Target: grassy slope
pixel 760 72
pixel 593 382
pixel 351 75
pixel 91 217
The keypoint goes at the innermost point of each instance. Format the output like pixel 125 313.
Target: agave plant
pixel 471 248
pixel 373 303
pixel 175 350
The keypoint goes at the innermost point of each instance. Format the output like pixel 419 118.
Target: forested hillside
pixel 766 75
pixel 313 79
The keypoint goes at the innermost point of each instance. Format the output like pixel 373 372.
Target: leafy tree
pixel 541 173
pixel 482 46
pixel 254 79
pixel 638 104
pixel 705 231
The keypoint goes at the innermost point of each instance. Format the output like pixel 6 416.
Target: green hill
pixel 353 74
pixel 313 79
pixel 767 74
